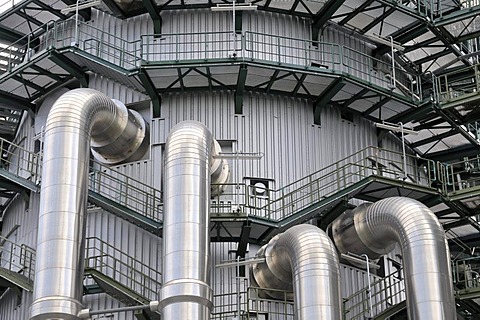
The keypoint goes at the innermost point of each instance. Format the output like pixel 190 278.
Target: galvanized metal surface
pixel 186 291
pixel 74 118
pixel 304 259
pixel 374 230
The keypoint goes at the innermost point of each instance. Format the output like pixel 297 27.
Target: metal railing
pixel 292 198
pixel 208 46
pixel 17 259
pixel 24 48
pixel 253 304
pixel 126 191
pixel 462 176
pixel 19 161
pixel 466 274
pixel 457 85
pixel 109 183
pixel 382 294
pixel 130 272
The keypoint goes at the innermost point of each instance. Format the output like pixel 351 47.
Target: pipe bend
pixel 304 259
pixel 186 293
pixel 74 118
pixel 376 228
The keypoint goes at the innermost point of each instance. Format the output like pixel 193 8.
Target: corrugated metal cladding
pixel 15 307
pixel 129 29
pixel 22 217
pixel 279 127
pixel 116 90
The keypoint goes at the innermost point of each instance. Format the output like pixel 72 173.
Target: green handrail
pixel 122 268
pixel 17 259
pixel 382 294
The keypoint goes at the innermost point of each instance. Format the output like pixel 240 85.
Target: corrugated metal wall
pixel 279 127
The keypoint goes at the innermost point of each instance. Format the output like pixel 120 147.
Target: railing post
pixel 279 54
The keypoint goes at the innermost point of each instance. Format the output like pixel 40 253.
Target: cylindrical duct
pixel 186 293
pixel 74 117
pixel 304 259
pixel 126 140
pixel 374 229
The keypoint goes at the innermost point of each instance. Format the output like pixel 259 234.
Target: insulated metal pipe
pixel 75 118
pixel 304 259
pixel 375 229
pixel 186 293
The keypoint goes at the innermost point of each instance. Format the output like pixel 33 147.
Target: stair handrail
pixel 121 267
pixel 26 47
pixel 385 293
pixel 17 258
pixel 125 190
pixel 466 274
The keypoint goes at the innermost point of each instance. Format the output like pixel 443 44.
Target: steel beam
pixel 322 16
pixel 325 97
pixel 151 7
pixel 239 92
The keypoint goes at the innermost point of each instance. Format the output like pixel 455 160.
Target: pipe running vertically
pixel 77 118
pixel 305 259
pixel 375 230
pixel 186 291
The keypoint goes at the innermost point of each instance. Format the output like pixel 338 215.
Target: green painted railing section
pixel 278 204
pixel 17 259
pixel 382 294
pixel 122 268
pixel 154 49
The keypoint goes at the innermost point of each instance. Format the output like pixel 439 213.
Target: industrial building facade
pixel 317 109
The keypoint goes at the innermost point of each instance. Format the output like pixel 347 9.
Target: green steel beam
pixel 152 92
pixel 454 154
pixel 113 6
pixel 86 14
pixel 433 138
pixel 355 97
pixel 12 36
pixel 322 16
pixel 355 12
pixel 239 92
pixel 468 36
pixel 69 66
pixel 244 239
pixel 151 7
pixel 324 98
pixel 28 83
pixel 15 102
pixel 48 8
pixel 457 15
pixel 378 20
pixel 30 19
pixel 412 114
pixel 376 106
pixel 299 84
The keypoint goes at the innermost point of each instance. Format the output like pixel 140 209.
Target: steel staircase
pixel 128 280
pixel 107 269
pixel 17 266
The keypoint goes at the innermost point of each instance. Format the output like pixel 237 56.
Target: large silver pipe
pixel 75 118
pixel 304 259
pixel 375 229
pixel 186 293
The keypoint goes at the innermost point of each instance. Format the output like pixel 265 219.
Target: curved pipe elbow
pixel 304 259
pixel 74 119
pixel 376 228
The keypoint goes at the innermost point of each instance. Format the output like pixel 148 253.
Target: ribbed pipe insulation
pixel 304 259
pixel 75 119
pixel 375 229
pixel 186 291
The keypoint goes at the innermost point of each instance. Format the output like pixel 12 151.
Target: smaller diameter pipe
pixel 304 259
